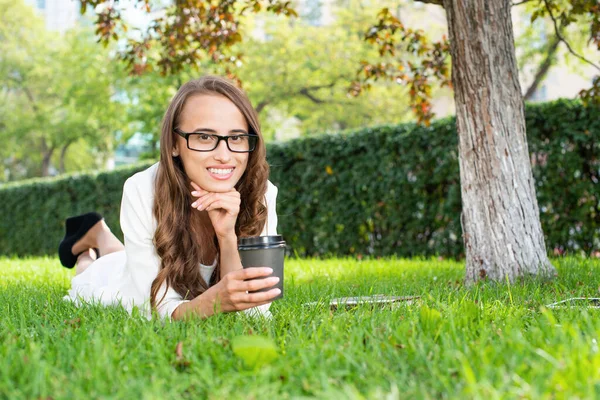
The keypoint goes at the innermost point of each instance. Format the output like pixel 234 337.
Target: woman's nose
pixel 222 152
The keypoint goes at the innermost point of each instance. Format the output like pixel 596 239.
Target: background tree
pixel 57 96
pixel 429 63
pixel 301 70
pixel 500 218
pixel 539 48
pixel 296 74
pixel 147 97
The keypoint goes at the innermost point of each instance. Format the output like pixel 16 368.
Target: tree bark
pixel 502 232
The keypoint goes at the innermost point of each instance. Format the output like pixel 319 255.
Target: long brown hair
pixel 184 236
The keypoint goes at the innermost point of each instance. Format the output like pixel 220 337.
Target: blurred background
pixel 68 104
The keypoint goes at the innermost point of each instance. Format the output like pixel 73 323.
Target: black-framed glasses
pixel 199 141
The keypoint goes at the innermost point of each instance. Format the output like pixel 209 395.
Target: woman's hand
pixel 231 292
pixel 222 208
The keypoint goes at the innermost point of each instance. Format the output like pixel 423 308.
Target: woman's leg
pixel 99 236
pixel 84 260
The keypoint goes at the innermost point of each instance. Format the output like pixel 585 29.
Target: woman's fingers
pixel 248 300
pixel 236 285
pixel 229 206
pixel 198 191
pixel 230 199
pixel 201 200
pixel 250 273
pixel 260 297
pixel 258 284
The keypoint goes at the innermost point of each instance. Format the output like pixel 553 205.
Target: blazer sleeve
pixel 143 263
pixel 271 201
pixel 269 229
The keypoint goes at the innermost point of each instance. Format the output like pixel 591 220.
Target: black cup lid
pixel 261 241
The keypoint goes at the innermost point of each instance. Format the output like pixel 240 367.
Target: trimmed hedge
pixel 375 191
pixel 33 211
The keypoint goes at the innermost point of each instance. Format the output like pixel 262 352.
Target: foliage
pixel 302 71
pixel 486 341
pixel 377 191
pixel 181 34
pixel 396 189
pixel 564 13
pixel 57 95
pixel 34 210
pixel 255 350
pixel 289 75
pixel 192 34
pixel 208 34
pixel 389 35
pixel 429 61
pixel 147 98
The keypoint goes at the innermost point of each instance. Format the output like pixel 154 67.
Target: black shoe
pixel 76 228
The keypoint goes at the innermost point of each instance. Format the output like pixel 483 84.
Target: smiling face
pixel 218 170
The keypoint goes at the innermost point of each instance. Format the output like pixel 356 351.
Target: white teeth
pixel 220 171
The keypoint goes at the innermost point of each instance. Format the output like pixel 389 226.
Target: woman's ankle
pixel 84 260
pixel 90 239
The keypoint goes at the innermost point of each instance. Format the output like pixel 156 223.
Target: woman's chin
pixel 217 187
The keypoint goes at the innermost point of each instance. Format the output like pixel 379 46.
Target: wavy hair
pixel 184 237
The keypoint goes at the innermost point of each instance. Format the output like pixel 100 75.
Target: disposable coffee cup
pixel 264 251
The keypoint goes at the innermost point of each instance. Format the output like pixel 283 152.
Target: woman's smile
pixel 221 173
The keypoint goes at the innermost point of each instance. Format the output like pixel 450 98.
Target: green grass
pixel 488 341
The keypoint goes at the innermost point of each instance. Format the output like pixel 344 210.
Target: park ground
pixel 487 341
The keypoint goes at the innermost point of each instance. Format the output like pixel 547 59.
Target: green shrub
pixel 375 191
pixel 395 189
pixel 33 211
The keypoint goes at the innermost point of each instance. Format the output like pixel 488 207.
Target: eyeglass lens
pixel 236 143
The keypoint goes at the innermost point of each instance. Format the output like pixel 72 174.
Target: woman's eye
pixel 235 138
pixel 205 137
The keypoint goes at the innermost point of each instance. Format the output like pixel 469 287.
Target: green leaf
pixel 255 351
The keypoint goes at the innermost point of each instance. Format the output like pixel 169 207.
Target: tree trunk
pixel 46 157
pixel 261 105
pixel 63 154
pixel 502 232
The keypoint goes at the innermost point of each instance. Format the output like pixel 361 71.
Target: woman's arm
pixel 231 294
pixel 230 256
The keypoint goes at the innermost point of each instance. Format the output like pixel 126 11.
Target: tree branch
pixel 27 92
pixel 328 86
pixel 562 39
pixel 438 2
pixel 543 68
pixel 522 2
pixel 261 105
pixel 63 154
pixel 306 91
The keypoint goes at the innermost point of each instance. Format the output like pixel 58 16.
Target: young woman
pixel 181 217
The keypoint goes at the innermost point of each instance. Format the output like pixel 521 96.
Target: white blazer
pixel 142 263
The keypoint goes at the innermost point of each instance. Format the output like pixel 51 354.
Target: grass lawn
pixel 488 341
